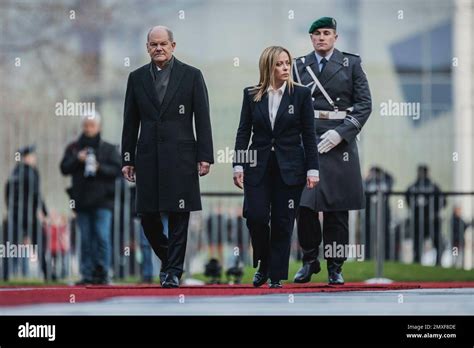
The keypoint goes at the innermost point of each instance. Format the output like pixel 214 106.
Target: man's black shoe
pixel 84 281
pixel 102 281
pixel 100 276
pixel 171 281
pixel 306 271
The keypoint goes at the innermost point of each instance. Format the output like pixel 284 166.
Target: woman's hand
pixel 239 180
pixel 312 181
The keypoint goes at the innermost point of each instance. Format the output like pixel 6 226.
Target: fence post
pixel 380 235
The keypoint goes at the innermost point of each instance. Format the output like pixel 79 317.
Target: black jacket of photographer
pixel 94 191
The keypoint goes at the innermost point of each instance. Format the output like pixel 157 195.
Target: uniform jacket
pixel 340 186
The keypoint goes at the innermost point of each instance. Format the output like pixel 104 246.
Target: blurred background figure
pixel 215 233
pixel 58 246
pixel 146 264
pixel 458 227
pixel 425 203
pixel 93 165
pixel 377 180
pixel 213 271
pixel 235 273
pixel 25 209
pixel 236 231
pixel 124 237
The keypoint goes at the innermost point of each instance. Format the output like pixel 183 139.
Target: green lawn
pixel 360 271
pixel 352 271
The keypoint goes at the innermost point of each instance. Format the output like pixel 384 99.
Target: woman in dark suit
pixel 280 160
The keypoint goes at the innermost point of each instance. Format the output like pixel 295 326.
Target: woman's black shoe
pixel 275 284
pixel 259 279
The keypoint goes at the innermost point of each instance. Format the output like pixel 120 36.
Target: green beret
pixel 323 22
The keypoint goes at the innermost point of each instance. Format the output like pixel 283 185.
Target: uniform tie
pixel 323 63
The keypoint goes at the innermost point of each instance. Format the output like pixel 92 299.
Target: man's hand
pixel 82 155
pixel 203 168
pixel 129 173
pixel 239 179
pixel 330 139
pixel 312 181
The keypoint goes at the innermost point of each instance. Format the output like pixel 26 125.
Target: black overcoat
pixel 159 140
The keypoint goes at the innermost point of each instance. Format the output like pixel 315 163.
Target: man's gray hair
pixel 94 115
pixel 168 30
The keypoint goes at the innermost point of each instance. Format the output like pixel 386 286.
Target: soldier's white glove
pixel 330 139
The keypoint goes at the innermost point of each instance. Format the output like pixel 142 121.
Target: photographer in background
pixel 94 165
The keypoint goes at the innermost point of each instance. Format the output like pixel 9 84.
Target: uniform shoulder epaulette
pixel 302 58
pixel 351 54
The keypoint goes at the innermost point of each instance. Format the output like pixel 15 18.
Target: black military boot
pixel 335 272
pixel 306 271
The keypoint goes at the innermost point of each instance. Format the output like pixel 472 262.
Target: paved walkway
pixel 400 302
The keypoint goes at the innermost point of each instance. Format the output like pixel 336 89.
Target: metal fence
pixel 415 227
pixel 423 227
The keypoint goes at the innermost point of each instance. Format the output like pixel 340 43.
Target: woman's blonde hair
pixel 267 64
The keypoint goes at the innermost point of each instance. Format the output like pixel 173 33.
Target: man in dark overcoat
pixel 160 150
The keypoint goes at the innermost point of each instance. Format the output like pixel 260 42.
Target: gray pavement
pixel 403 302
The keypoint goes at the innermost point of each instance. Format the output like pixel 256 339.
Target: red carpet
pixel 20 295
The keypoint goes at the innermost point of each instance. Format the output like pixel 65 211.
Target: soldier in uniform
pixel 342 104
